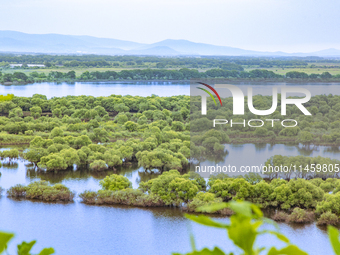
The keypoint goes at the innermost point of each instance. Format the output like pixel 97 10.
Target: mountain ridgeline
pixel 12 41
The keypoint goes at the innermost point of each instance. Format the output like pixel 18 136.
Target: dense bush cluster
pixel 64 132
pixel 41 190
pixel 153 131
pixel 305 198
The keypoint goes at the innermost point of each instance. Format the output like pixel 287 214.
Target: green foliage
pixel 329 203
pixel 98 165
pixel 125 197
pixel 333 235
pixel 36 111
pixel 115 182
pixel 41 190
pixel 11 154
pixel 172 188
pixel 243 229
pixel 202 199
pixel 301 216
pixel 328 218
pixel 23 248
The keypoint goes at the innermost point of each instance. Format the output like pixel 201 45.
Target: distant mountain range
pixel 12 41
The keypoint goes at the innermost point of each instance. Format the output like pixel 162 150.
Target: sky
pixel 263 25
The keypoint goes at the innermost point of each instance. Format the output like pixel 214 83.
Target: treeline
pixel 224 62
pixel 162 74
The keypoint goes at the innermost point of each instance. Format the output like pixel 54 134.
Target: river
pixel 76 228
pixel 51 89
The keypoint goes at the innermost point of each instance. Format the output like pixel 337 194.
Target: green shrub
pixel 115 182
pixel 328 218
pixel 42 190
pixel 280 216
pixel 22 249
pixel 330 203
pixel 98 165
pixel 124 197
pixel 17 191
pixel 202 199
pixel 300 216
pixel 88 197
pixel 172 188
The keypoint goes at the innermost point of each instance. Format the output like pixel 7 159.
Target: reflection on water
pixel 96 89
pixel 134 173
pixel 145 88
pixel 10 165
pixel 257 154
pixel 76 228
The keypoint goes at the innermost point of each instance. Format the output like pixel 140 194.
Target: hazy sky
pixel 266 25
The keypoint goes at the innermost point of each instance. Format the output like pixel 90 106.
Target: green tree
pixel 36 111
pixel 115 182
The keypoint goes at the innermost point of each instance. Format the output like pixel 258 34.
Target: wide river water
pixel 146 88
pixel 76 228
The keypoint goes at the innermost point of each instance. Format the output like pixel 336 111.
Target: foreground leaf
pixel 46 251
pixel 289 250
pixel 245 208
pixel 333 234
pixel 205 251
pixel 204 220
pixel 24 248
pixel 277 234
pixel 4 239
pixel 212 208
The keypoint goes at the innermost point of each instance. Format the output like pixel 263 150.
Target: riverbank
pixel 184 74
pixel 183 82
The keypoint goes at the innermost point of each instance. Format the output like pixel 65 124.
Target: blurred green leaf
pixel 25 248
pixel 243 233
pixel 46 251
pixel 212 208
pixel 4 239
pixel 204 220
pixel 333 234
pixel 205 251
pixel 245 208
pixel 289 250
pixel 277 234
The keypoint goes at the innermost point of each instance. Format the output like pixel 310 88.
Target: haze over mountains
pixel 12 41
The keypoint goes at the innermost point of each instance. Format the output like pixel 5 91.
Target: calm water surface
pixel 96 89
pixel 76 228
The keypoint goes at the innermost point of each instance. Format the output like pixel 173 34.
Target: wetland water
pixel 76 228
pixel 144 89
